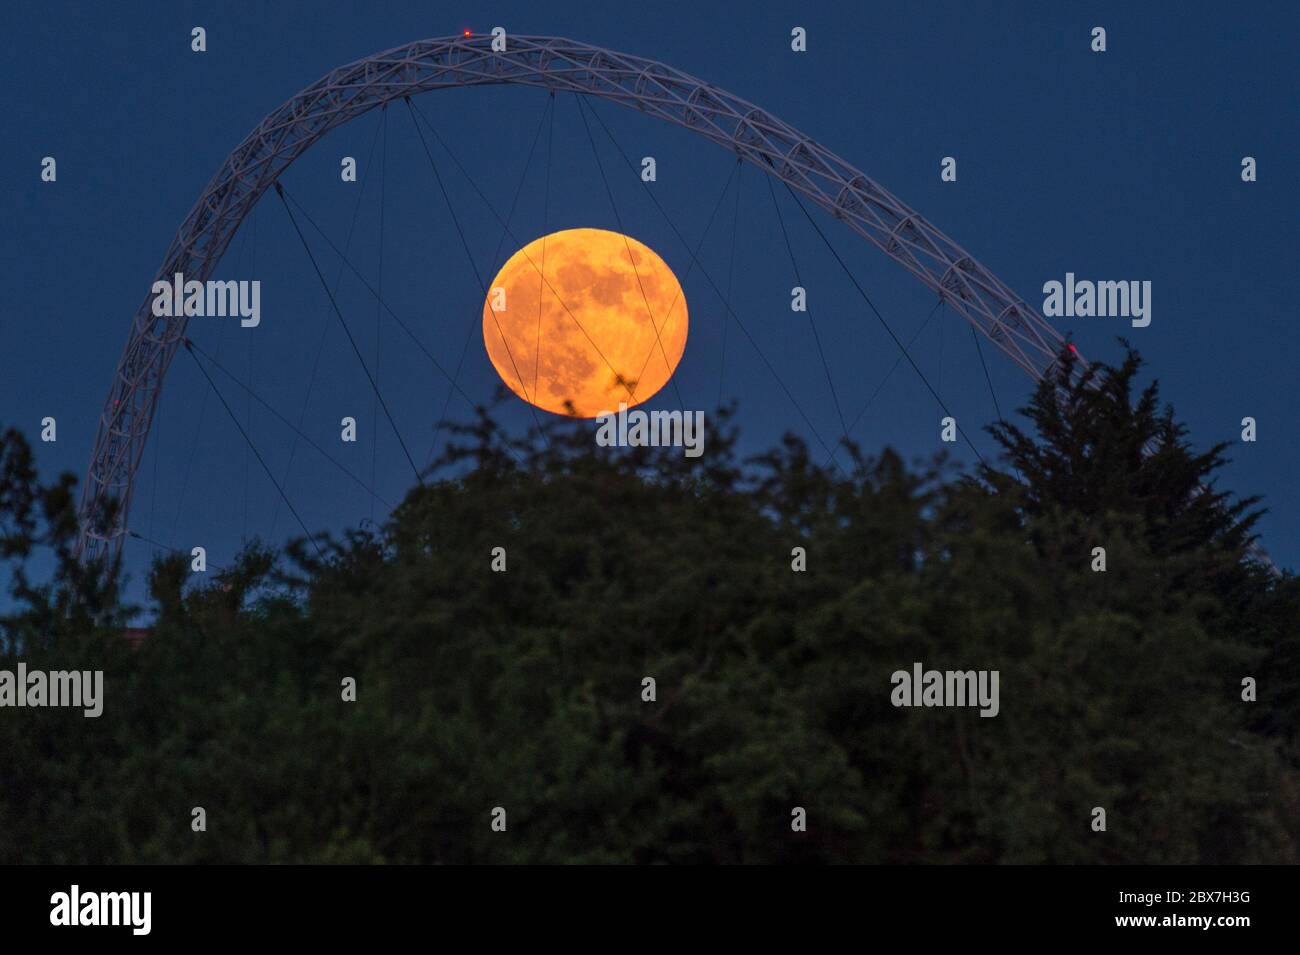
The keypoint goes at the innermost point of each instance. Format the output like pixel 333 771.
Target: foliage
pixel 523 689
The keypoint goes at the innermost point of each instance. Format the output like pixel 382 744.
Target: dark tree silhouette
pixel 524 689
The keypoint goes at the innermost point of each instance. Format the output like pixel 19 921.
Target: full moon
pixel 580 320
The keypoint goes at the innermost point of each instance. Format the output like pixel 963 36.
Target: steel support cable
pixel 731 268
pixel 387 308
pixel 506 223
pixel 153 489
pixel 248 406
pixel 256 453
pixel 549 62
pixel 546 225
pixel 568 311
pixel 894 367
pixel 987 378
pixel 698 246
pixel 194 448
pixel 713 285
pixel 474 267
pixel 469 334
pixel 254 396
pixel 175 550
pixel 279 191
pixel 600 167
pixel 324 328
pixel 371 289
pixel 198 428
pixel 203 407
pixel 867 298
pixel 379 312
pixel 812 324
pixel 996 407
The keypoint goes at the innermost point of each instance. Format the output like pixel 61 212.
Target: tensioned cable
pixel 279 191
pixel 700 244
pixel 713 285
pixel 731 268
pixel 600 166
pixel 794 264
pixel 254 396
pixel 546 229
pixel 469 332
pixel 885 324
pixel 156 427
pixel 541 274
pixel 203 408
pixel 194 453
pixel 568 311
pixel 506 223
pixel 942 328
pixel 474 265
pixel 324 327
pixel 996 406
pixel 994 394
pixel 371 289
pixel 260 460
pixel 387 308
pixel 894 367
pixel 175 550
pixel 379 311
pixel 248 406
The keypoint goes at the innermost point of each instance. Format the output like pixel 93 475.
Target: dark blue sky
pixel 1123 165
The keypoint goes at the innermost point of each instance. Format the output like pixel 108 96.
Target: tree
pixel 524 688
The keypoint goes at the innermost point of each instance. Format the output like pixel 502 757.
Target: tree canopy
pixel 523 689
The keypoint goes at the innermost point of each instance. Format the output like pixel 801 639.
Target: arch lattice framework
pixel 556 64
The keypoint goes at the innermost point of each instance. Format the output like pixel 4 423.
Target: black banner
pixel 303 903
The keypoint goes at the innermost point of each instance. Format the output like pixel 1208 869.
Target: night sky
pixel 1122 165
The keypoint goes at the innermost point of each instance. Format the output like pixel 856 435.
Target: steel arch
pixel 553 63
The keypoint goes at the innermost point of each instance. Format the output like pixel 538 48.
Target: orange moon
pixel 580 320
